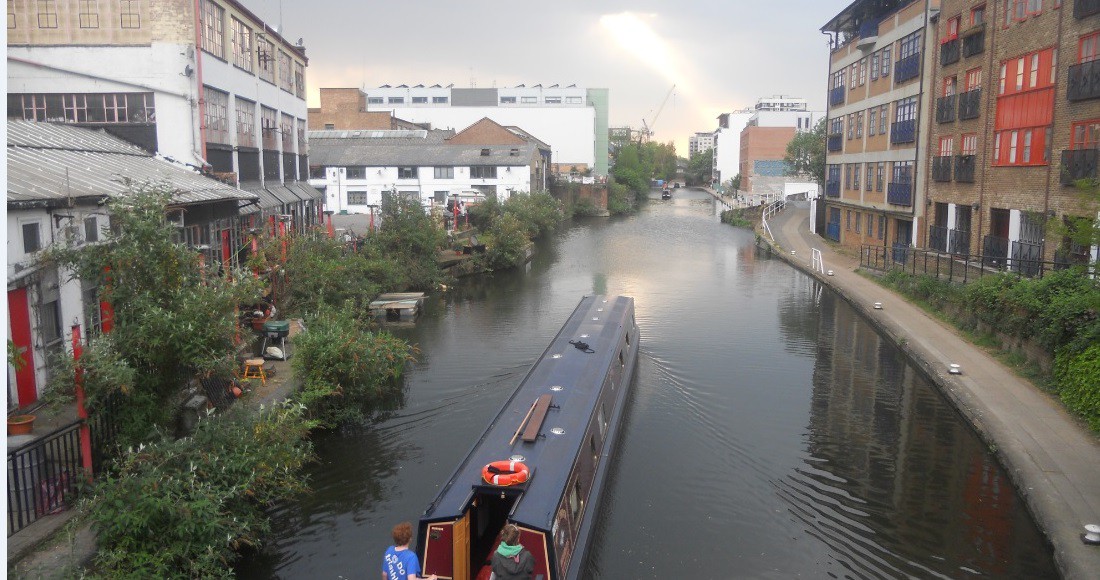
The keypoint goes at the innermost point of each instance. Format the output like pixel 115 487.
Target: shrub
pixel 585 207
pixel 736 218
pixel 506 243
pixel 620 199
pixel 344 367
pixel 539 212
pixel 1077 384
pixel 321 270
pixel 182 509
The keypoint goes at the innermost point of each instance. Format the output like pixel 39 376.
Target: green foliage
pixel 539 212
pixel 630 171
pixel 172 319
pixel 324 271
pixel 506 242
pixel 620 199
pixel 586 207
pixel 182 509
pixel 699 168
pixel 735 182
pixel 412 239
pixel 929 289
pixel 1078 385
pixel 485 213
pixel 806 154
pixel 736 218
pixel 344 367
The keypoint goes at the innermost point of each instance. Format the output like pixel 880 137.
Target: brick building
pixel 343 109
pixel 877 122
pixel 1017 122
pixel 763 143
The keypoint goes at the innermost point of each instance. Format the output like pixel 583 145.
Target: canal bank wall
pixel 1053 460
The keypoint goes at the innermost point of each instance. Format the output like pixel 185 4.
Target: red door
pixel 19 318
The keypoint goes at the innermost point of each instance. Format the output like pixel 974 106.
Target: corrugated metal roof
pixel 49 163
pixel 346 152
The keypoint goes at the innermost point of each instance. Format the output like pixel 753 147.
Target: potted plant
pixel 20 424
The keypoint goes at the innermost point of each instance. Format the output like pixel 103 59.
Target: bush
pixel 736 218
pixel 344 367
pixel 182 509
pixel 539 212
pixel 410 238
pixel 585 207
pixel 507 243
pixel 321 270
pixel 1077 383
pixel 620 199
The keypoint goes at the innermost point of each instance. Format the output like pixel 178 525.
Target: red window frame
pixel 969 144
pixel 1021 77
pixel 977 15
pixel 974 79
pixel 947 145
pixel 950 86
pixel 1088 47
pixel 1079 135
pixel 951 30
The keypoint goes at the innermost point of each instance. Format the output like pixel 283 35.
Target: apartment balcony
pixel 1085 8
pixel 907 68
pixel 994 251
pixel 903 132
pixel 835 142
pixel 970 104
pixel 964 168
pixel 868 33
pixel 832 188
pixel 1084 81
pixel 945 109
pixel 958 242
pixel 1079 164
pixel 941 168
pixel 974 41
pixel 900 194
pixel 836 96
pixel 949 52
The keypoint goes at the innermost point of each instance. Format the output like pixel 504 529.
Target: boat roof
pixel 551 456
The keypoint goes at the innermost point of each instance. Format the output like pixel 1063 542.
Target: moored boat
pixel 542 462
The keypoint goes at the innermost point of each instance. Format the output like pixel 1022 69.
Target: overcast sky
pixel 721 55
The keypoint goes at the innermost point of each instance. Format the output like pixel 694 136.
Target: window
pixel 444 172
pixel 881 227
pixel 906 109
pixel 265 54
pixel 213 29
pixel 870 224
pixel 853 76
pixel 246 122
pixel 286 132
pixel 859 125
pixel 75 107
pixel 128 14
pixel 870 180
pixel 330 126
pixel 528 99
pixel 949 85
pixel 883 114
pixel 300 128
pixel 299 80
pixel 11 14
pixel 1085 135
pixel 88 16
pixel 286 81
pixel 977 15
pixel 859 220
pixel 970 144
pixel 241 43
pixel 49 323
pixel 553 100
pixel 440 100
pixel 420 100
pixel 872 121
pixel 874 66
pixel 91 229
pixel 952 30
pixel 357 198
pixel 214 112
pixel 947 145
pixel 268 127
pixel 1089 48
pixel 573 100
pixel 857 170
pixel 355 172
pixel 375 100
pixel 851 126
pixel 886 62
pixel 903 172
pixel 32 240
pixel 47 13
pixel 1024 109
pixel 507 100
pixel 838 79
pixel 396 100
pixel 881 177
pixel 973 79
pixel 910 45
pixel 406 173
pixel 483 172
pixel 848 219
pixel 862 71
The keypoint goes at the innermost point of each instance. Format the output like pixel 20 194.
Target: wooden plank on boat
pixel 542 406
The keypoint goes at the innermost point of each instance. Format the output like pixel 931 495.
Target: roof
pixel 275 195
pixel 393 151
pixel 53 163
pixel 861 11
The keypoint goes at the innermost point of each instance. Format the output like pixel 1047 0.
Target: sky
pixel 719 55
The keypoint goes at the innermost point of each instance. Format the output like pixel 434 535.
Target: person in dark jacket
pixel 512 561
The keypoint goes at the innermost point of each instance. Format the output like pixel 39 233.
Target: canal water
pixel 770 433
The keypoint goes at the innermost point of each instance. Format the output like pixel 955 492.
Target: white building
pixel 700 143
pixel 727 145
pixel 572 120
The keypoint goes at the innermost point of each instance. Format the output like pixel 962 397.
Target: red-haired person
pixel 400 562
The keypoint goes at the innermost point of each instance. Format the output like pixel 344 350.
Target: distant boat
pixel 542 462
pixel 666 193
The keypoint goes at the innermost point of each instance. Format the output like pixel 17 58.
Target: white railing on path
pixel 816 263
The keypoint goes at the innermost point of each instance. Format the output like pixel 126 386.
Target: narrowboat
pixel 542 462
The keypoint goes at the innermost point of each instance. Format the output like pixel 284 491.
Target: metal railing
pixel 903 131
pixel 974 42
pixel 1084 81
pixel 1085 8
pixel 42 476
pixel 836 96
pixel 953 268
pixel 1079 164
pixel 964 168
pixel 941 168
pixel 900 194
pixel 907 68
pixel 945 109
pixel 835 142
pixel 937 238
pixel 970 104
pixel 949 52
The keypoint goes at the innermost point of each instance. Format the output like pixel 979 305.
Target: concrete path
pixel 1052 458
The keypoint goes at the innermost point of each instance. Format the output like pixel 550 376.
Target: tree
pixel 699 168
pixel 806 154
pixel 413 238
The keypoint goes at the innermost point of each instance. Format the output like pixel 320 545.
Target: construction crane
pixel 647 128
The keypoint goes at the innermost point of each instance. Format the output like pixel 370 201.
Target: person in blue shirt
pixel 400 562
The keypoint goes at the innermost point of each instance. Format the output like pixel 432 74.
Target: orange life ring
pixel 505 473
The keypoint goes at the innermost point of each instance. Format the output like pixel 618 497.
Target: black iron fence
pixel 43 475
pixel 961 268
pixel 949 52
pixel 945 109
pixel 974 41
pixel 970 104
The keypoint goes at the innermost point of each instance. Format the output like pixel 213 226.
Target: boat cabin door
pixel 447 549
